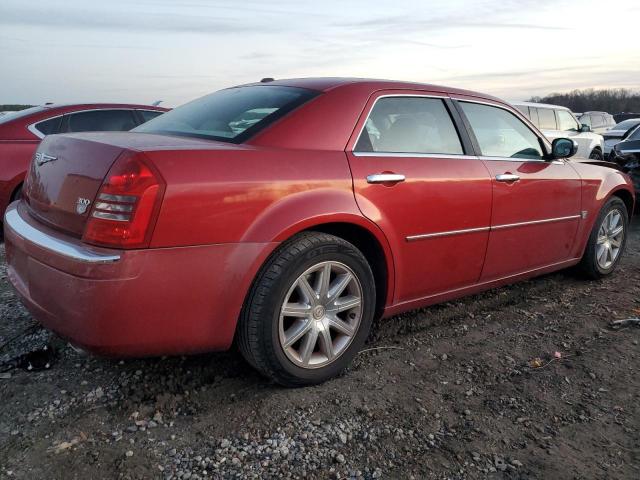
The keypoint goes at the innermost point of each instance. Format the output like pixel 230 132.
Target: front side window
pixel 101 121
pixel 230 115
pixel 547 119
pixel 566 122
pixel 409 125
pixel 500 133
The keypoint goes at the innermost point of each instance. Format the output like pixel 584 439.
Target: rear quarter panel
pixel 598 185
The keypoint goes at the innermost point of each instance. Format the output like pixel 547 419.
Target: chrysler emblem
pixel 82 204
pixel 42 158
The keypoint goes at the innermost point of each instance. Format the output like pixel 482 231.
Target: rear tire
pixel 596 155
pixel 309 310
pixel 607 240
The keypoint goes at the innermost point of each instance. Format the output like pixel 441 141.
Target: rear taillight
pixel 126 206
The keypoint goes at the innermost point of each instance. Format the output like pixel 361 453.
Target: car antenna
pixel 156 103
pixel 267 80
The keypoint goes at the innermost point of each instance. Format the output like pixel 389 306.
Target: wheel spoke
pixel 341 326
pixel 297 310
pixel 326 344
pixel 308 345
pixel 600 253
pixel 616 242
pixel 306 290
pixel 616 231
pixel 601 239
pixel 322 282
pixel 339 286
pixel 609 256
pixel 345 303
pixel 297 332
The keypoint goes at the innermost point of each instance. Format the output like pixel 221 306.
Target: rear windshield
pixel 230 115
pixel 20 114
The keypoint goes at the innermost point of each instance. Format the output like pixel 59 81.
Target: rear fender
pixel 308 209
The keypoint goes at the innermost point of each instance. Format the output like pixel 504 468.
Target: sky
pixel 146 50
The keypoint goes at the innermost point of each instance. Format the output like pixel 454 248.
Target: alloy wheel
pixel 610 238
pixel 320 314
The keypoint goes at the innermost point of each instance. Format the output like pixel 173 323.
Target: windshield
pixel 21 113
pixel 627 124
pixel 230 115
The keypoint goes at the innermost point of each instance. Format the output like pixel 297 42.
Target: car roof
pixel 325 84
pixel 539 105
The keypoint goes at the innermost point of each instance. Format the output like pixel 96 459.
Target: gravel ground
pixel 448 392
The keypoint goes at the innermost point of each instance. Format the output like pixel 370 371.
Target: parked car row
pixel 286 215
pixel 556 122
pixel 22 131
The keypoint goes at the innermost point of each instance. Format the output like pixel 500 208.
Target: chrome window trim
pixel 449 233
pixel 633 150
pixel 416 155
pixel 391 154
pixel 20 227
pixel 32 127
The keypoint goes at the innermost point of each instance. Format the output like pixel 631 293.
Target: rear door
pixel 415 177
pixel 536 203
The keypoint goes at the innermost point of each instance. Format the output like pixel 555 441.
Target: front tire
pixel 309 310
pixel 607 240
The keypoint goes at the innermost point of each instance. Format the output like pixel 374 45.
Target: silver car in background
pixel 555 121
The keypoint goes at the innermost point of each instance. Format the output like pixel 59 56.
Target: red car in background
pixel 287 215
pixel 21 132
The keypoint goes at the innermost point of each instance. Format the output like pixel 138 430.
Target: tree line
pixel 13 108
pixel 611 100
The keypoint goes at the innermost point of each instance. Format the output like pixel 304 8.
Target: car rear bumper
pixel 130 302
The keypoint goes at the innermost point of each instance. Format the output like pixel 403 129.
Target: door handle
pixel 507 177
pixel 385 178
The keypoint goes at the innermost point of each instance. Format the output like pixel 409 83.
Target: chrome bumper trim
pixel 14 221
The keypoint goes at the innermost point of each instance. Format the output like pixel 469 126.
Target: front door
pixel 416 178
pixel 536 202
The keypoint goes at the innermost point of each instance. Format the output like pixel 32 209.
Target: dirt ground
pixel 448 392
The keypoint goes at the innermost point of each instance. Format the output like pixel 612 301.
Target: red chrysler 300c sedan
pixel 289 214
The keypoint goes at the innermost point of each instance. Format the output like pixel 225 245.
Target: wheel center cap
pixel 318 312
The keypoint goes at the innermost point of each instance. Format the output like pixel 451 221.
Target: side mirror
pixel 585 128
pixel 563 148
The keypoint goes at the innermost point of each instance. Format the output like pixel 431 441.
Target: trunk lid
pixel 64 178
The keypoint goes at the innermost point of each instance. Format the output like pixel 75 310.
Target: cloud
pixel 123 20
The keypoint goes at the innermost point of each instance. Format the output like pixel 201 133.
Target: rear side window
pixel 100 121
pixel 547 119
pixel 500 133
pixel 49 127
pixel 149 114
pixel 566 122
pixel 409 125
pixel 230 115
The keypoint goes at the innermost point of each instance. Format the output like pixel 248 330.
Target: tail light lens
pixel 127 205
